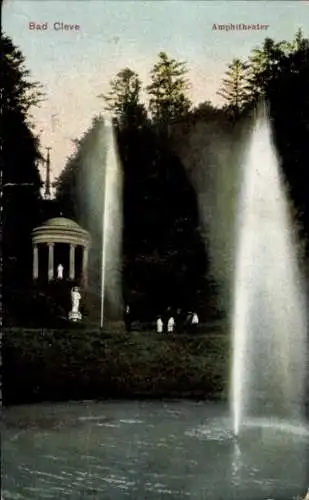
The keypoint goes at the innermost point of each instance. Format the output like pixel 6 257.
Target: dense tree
pixel 19 94
pixel 234 87
pixel 164 259
pixel 123 99
pixel 287 92
pixel 205 111
pixel 168 91
pixel 20 155
pixel 263 65
pixel 299 43
pixel 279 73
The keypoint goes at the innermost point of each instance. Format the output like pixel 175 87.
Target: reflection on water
pixel 236 465
pixel 146 450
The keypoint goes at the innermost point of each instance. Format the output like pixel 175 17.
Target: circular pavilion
pixel 60 242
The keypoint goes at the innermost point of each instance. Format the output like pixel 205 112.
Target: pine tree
pixel 168 91
pixel 123 99
pixel 299 42
pixel 263 65
pixel 234 87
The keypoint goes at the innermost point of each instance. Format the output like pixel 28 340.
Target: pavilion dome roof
pixel 60 230
pixel 61 222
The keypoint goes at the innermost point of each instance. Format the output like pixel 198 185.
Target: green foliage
pixel 87 364
pixel 168 91
pixel 263 65
pixel 279 73
pixel 19 94
pixel 123 99
pixel 234 87
pixel 20 155
pixel 248 81
pixel 287 91
pixel 299 42
pixel 206 111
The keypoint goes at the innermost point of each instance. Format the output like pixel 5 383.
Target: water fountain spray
pixel 269 320
pixel 111 227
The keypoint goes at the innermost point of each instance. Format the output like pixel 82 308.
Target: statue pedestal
pixel 75 316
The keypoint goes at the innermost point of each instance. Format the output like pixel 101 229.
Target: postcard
pixel 154 246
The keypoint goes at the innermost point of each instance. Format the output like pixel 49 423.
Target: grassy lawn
pixel 40 365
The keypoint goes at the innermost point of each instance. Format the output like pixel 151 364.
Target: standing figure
pixel 74 314
pixel 159 325
pixel 128 318
pixel 76 296
pixel 60 269
pixel 170 325
pixel 194 322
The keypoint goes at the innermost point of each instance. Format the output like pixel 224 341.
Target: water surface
pixel 146 450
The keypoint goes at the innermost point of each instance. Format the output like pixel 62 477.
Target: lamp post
pixel 47 193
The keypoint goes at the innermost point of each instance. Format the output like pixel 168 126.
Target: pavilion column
pixel 72 261
pixel 50 261
pixel 35 262
pixel 85 266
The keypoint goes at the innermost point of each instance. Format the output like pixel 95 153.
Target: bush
pixel 76 364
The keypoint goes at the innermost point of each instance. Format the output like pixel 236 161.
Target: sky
pixel 74 67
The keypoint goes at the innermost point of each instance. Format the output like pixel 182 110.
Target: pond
pixel 147 450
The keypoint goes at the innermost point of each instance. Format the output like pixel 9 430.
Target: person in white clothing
pixel 170 325
pixel 159 325
pixel 194 322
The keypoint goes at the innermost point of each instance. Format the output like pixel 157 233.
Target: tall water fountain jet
pixel 269 322
pixel 111 276
pixel 100 206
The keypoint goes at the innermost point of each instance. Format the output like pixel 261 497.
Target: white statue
pixel 76 296
pixel 75 314
pixel 60 269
